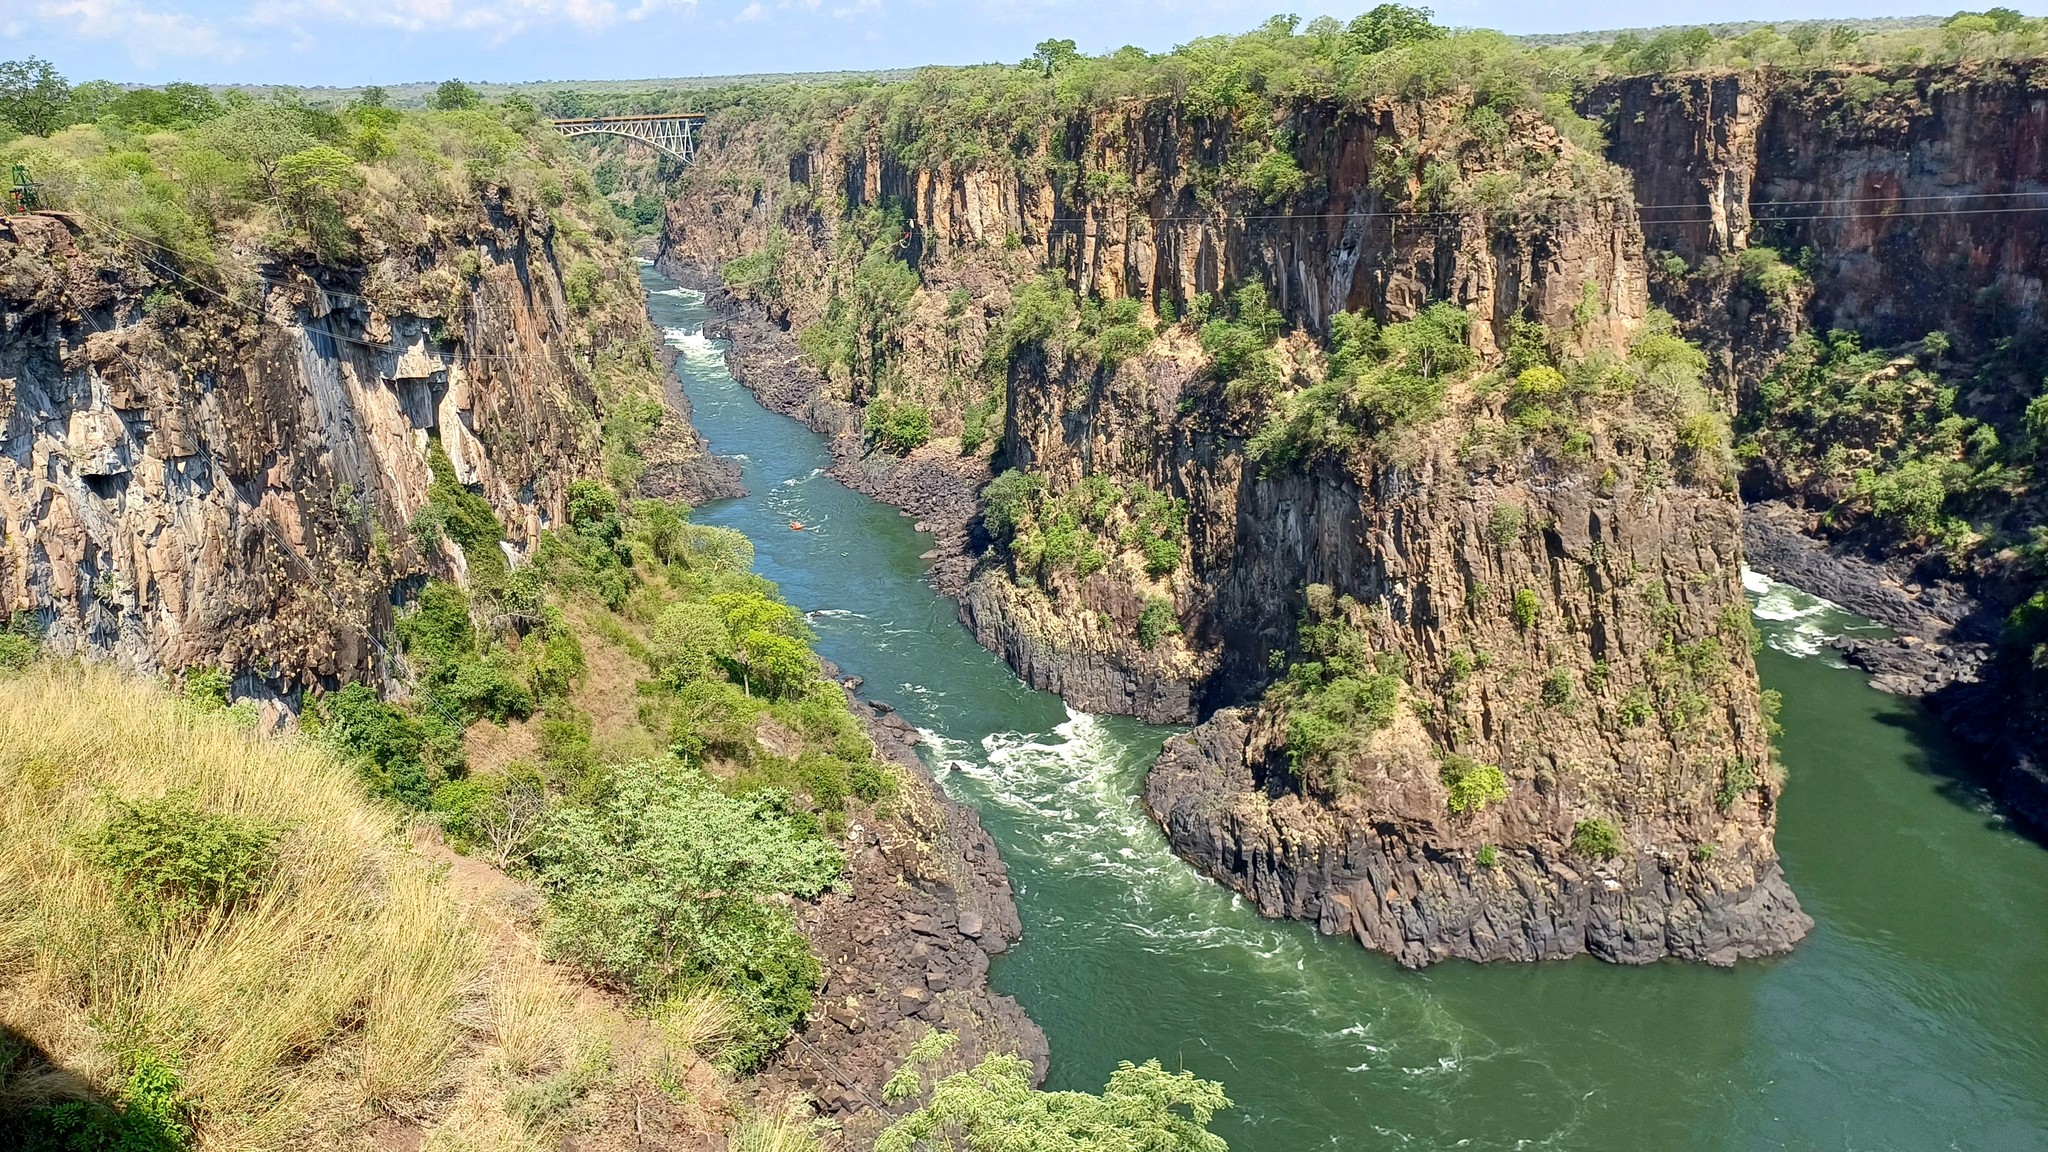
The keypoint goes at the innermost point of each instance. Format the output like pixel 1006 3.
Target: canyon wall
pixel 1912 201
pixel 192 479
pixel 1630 560
pixel 1912 193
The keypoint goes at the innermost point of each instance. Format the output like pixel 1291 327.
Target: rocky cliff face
pixel 1596 661
pixel 1911 190
pixel 195 480
pixel 1910 199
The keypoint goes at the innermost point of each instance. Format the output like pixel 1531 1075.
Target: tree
pixel 1392 25
pixel 776 664
pixel 1052 55
pixel 260 134
pixel 689 640
pixel 993 1108
pixel 454 96
pixel 312 178
pixel 33 97
pixel 665 881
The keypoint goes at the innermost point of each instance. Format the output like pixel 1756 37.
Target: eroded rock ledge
pixel 905 947
pixel 1422 900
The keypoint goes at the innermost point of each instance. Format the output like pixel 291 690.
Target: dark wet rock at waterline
pixel 1405 894
pixel 905 945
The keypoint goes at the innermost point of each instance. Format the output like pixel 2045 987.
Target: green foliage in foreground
pixel 170 862
pixel 152 1116
pixel 993 1108
pixel 664 882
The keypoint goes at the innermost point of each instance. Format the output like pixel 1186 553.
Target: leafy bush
pixel 1007 500
pixel 1737 777
pixel 898 427
pixel 207 688
pixel 664 882
pixel 172 863
pixel 1156 621
pixel 1596 839
pixel 1766 271
pixel 401 756
pixel 16 651
pixel 993 1105
pixel 1473 786
pixel 153 1116
pixel 1557 688
pixel 1506 523
pixel 1523 609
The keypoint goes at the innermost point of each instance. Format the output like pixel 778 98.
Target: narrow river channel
pixel 1915 1018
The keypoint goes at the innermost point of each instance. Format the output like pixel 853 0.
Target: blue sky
pixel 347 42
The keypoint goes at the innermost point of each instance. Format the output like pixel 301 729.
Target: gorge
pixel 1398 469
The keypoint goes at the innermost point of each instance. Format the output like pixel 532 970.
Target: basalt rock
pixel 1635 572
pixel 192 481
pixel 1392 881
pixel 905 945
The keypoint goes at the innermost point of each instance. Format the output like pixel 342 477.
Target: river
pixel 1914 1018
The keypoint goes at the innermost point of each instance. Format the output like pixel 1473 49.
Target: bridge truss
pixel 673 135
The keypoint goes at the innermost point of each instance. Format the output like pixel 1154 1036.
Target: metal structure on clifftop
pixel 673 134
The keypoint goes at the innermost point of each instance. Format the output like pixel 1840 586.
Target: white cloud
pixel 503 17
pixel 149 34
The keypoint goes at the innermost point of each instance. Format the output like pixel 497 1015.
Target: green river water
pixel 1914 1018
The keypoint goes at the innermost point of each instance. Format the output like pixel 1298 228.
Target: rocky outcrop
pixel 193 480
pixel 1907 196
pixel 1655 731
pixel 906 945
pixel 1394 884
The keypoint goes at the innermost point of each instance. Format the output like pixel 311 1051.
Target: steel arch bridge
pixel 673 134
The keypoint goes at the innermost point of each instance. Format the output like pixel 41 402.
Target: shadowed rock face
pixel 1899 182
pixel 187 481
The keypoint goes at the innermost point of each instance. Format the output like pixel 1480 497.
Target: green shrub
pixel 1737 777
pixel 664 882
pixel 1473 786
pixel 1156 621
pixel 1506 524
pixel 1557 688
pixel 400 755
pixel 171 863
pixel 1596 839
pixel 1008 500
pixel 1489 856
pixel 16 651
pixel 898 427
pixel 153 1117
pixel 993 1106
pixel 207 689
pixel 1766 271
pixel 1523 610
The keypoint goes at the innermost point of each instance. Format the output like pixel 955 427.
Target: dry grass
pixel 354 986
pixel 789 1132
